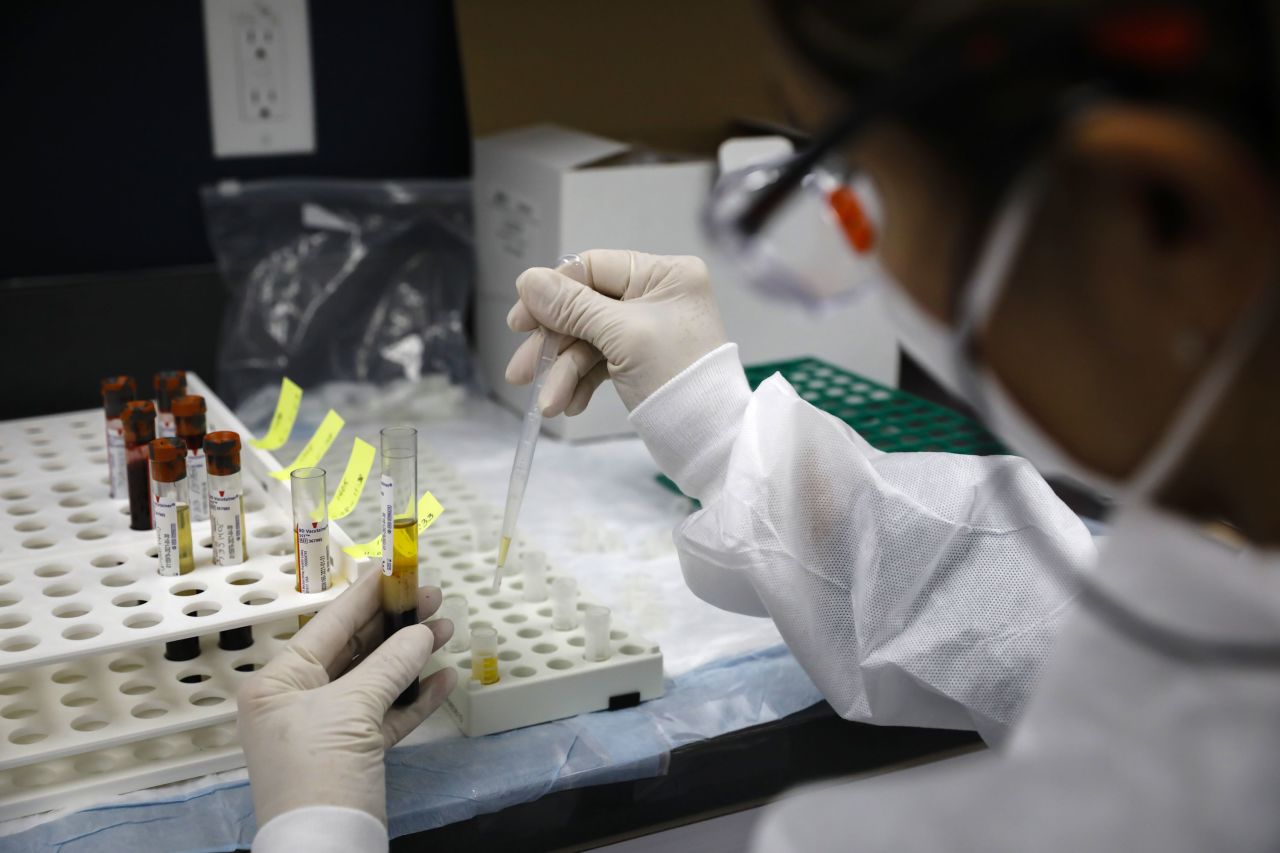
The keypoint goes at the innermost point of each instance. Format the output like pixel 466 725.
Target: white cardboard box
pixel 543 191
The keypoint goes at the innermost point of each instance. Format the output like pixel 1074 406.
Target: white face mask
pixel 945 354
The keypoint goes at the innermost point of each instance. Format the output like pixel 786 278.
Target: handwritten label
pixel 429 509
pixel 282 421
pixel 359 464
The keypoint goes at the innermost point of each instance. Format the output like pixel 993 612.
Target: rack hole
pixel 206 542
pixel 71 610
pixel 9 598
pixel 509 655
pixel 91 533
pixel 60 590
pixel 131 599
pixel 52 570
pixel 187 588
pixel 85 631
pixel 149 710
pixel 153 552
pixel 200 609
pixel 20 643
pixel 78 699
pixel 21 509
pixel 70 675
pixel 544 612
pixel 630 649
pixel 247 666
pixel 4 579
pixel 253 505
pixel 288 569
pixel 13 688
pixel 560 663
pixel 108 561
pixel 17 711
pixel 14 495
pixel 515 618
pixel 500 605
pixel 13 620
pixel 523 671
pixel 193 676
pixel 117 580
pixel 577 642
pixel 544 648
pixel 206 699
pixel 128 663
pixel 142 620
pixel 528 633
pixel 28 736
pixel 137 687
pixel 258 597
pixel 617 635
pixel 243 578
pixel 29 526
pixel 36 543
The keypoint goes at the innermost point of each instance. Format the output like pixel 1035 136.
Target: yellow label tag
pixel 282 421
pixel 429 509
pixel 359 464
pixel 317 446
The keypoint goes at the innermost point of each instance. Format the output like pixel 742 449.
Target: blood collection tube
pixel 310 529
pixel 226 498
pixel 189 425
pixel 595 631
pixel 168 385
pixel 484 655
pixel 116 391
pixel 564 605
pixel 139 420
pixel 171 506
pixel 226 517
pixel 398 489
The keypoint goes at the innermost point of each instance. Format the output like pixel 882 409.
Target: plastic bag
pixel 342 280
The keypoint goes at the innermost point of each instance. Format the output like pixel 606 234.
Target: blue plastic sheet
pixel 433 784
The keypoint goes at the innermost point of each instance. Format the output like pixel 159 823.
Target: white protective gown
pixel 911 589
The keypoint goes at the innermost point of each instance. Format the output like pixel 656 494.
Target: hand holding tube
pixel 315 726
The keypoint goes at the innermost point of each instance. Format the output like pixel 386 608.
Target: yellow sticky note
pixel 316 447
pixel 429 509
pixel 282 421
pixel 359 464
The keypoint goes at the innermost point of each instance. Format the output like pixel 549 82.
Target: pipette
pixel 574 268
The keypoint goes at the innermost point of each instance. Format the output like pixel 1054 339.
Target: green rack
pixel 891 420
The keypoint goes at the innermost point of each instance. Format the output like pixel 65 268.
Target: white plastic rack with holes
pixel 76 581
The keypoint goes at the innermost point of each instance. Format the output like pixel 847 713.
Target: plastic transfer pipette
pixel 574 268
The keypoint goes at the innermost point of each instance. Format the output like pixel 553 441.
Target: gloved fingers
pixel 388 670
pixel 563 378
pixel 563 305
pixel 367 638
pixel 618 273
pixel 307 659
pixel 519 319
pixel 524 361
pixel 586 387
pixel 432 691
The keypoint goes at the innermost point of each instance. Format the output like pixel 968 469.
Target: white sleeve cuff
pixel 322 829
pixel 690 423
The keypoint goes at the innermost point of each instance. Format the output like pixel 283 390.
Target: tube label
pixel 312 556
pixel 116 463
pixel 165 512
pixel 226 512
pixel 198 480
pixel 166 425
pixel 387 493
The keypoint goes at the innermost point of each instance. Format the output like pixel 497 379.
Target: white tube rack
pixel 90 707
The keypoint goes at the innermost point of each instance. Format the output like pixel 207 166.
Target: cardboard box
pixel 543 190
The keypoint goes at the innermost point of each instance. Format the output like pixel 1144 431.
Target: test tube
pixel 564 604
pixel 168 385
pixel 454 608
pixel 189 426
pixel 139 419
pixel 595 629
pixel 429 574
pixel 483 529
pixel 116 391
pixel 226 498
pixel 535 576
pixel 484 655
pixel 310 529
pixel 398 490
pixel 171 506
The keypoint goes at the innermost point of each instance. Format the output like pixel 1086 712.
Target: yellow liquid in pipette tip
pixel 503 547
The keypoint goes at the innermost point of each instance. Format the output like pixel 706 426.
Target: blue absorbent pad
pixel 434 784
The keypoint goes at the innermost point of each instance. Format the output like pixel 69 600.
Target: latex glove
pixel 639 320
pixel 313 735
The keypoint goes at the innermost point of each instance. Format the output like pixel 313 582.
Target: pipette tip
pixel 503 546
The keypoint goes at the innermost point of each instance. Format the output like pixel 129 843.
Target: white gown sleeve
pixel 907 584
pixel 322 829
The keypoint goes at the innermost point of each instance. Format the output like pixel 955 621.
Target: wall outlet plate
pixel 258 54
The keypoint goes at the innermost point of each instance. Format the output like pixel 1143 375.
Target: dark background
pixel 107 140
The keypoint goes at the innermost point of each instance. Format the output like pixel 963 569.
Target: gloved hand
pixel 640 319
pixel 314 732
